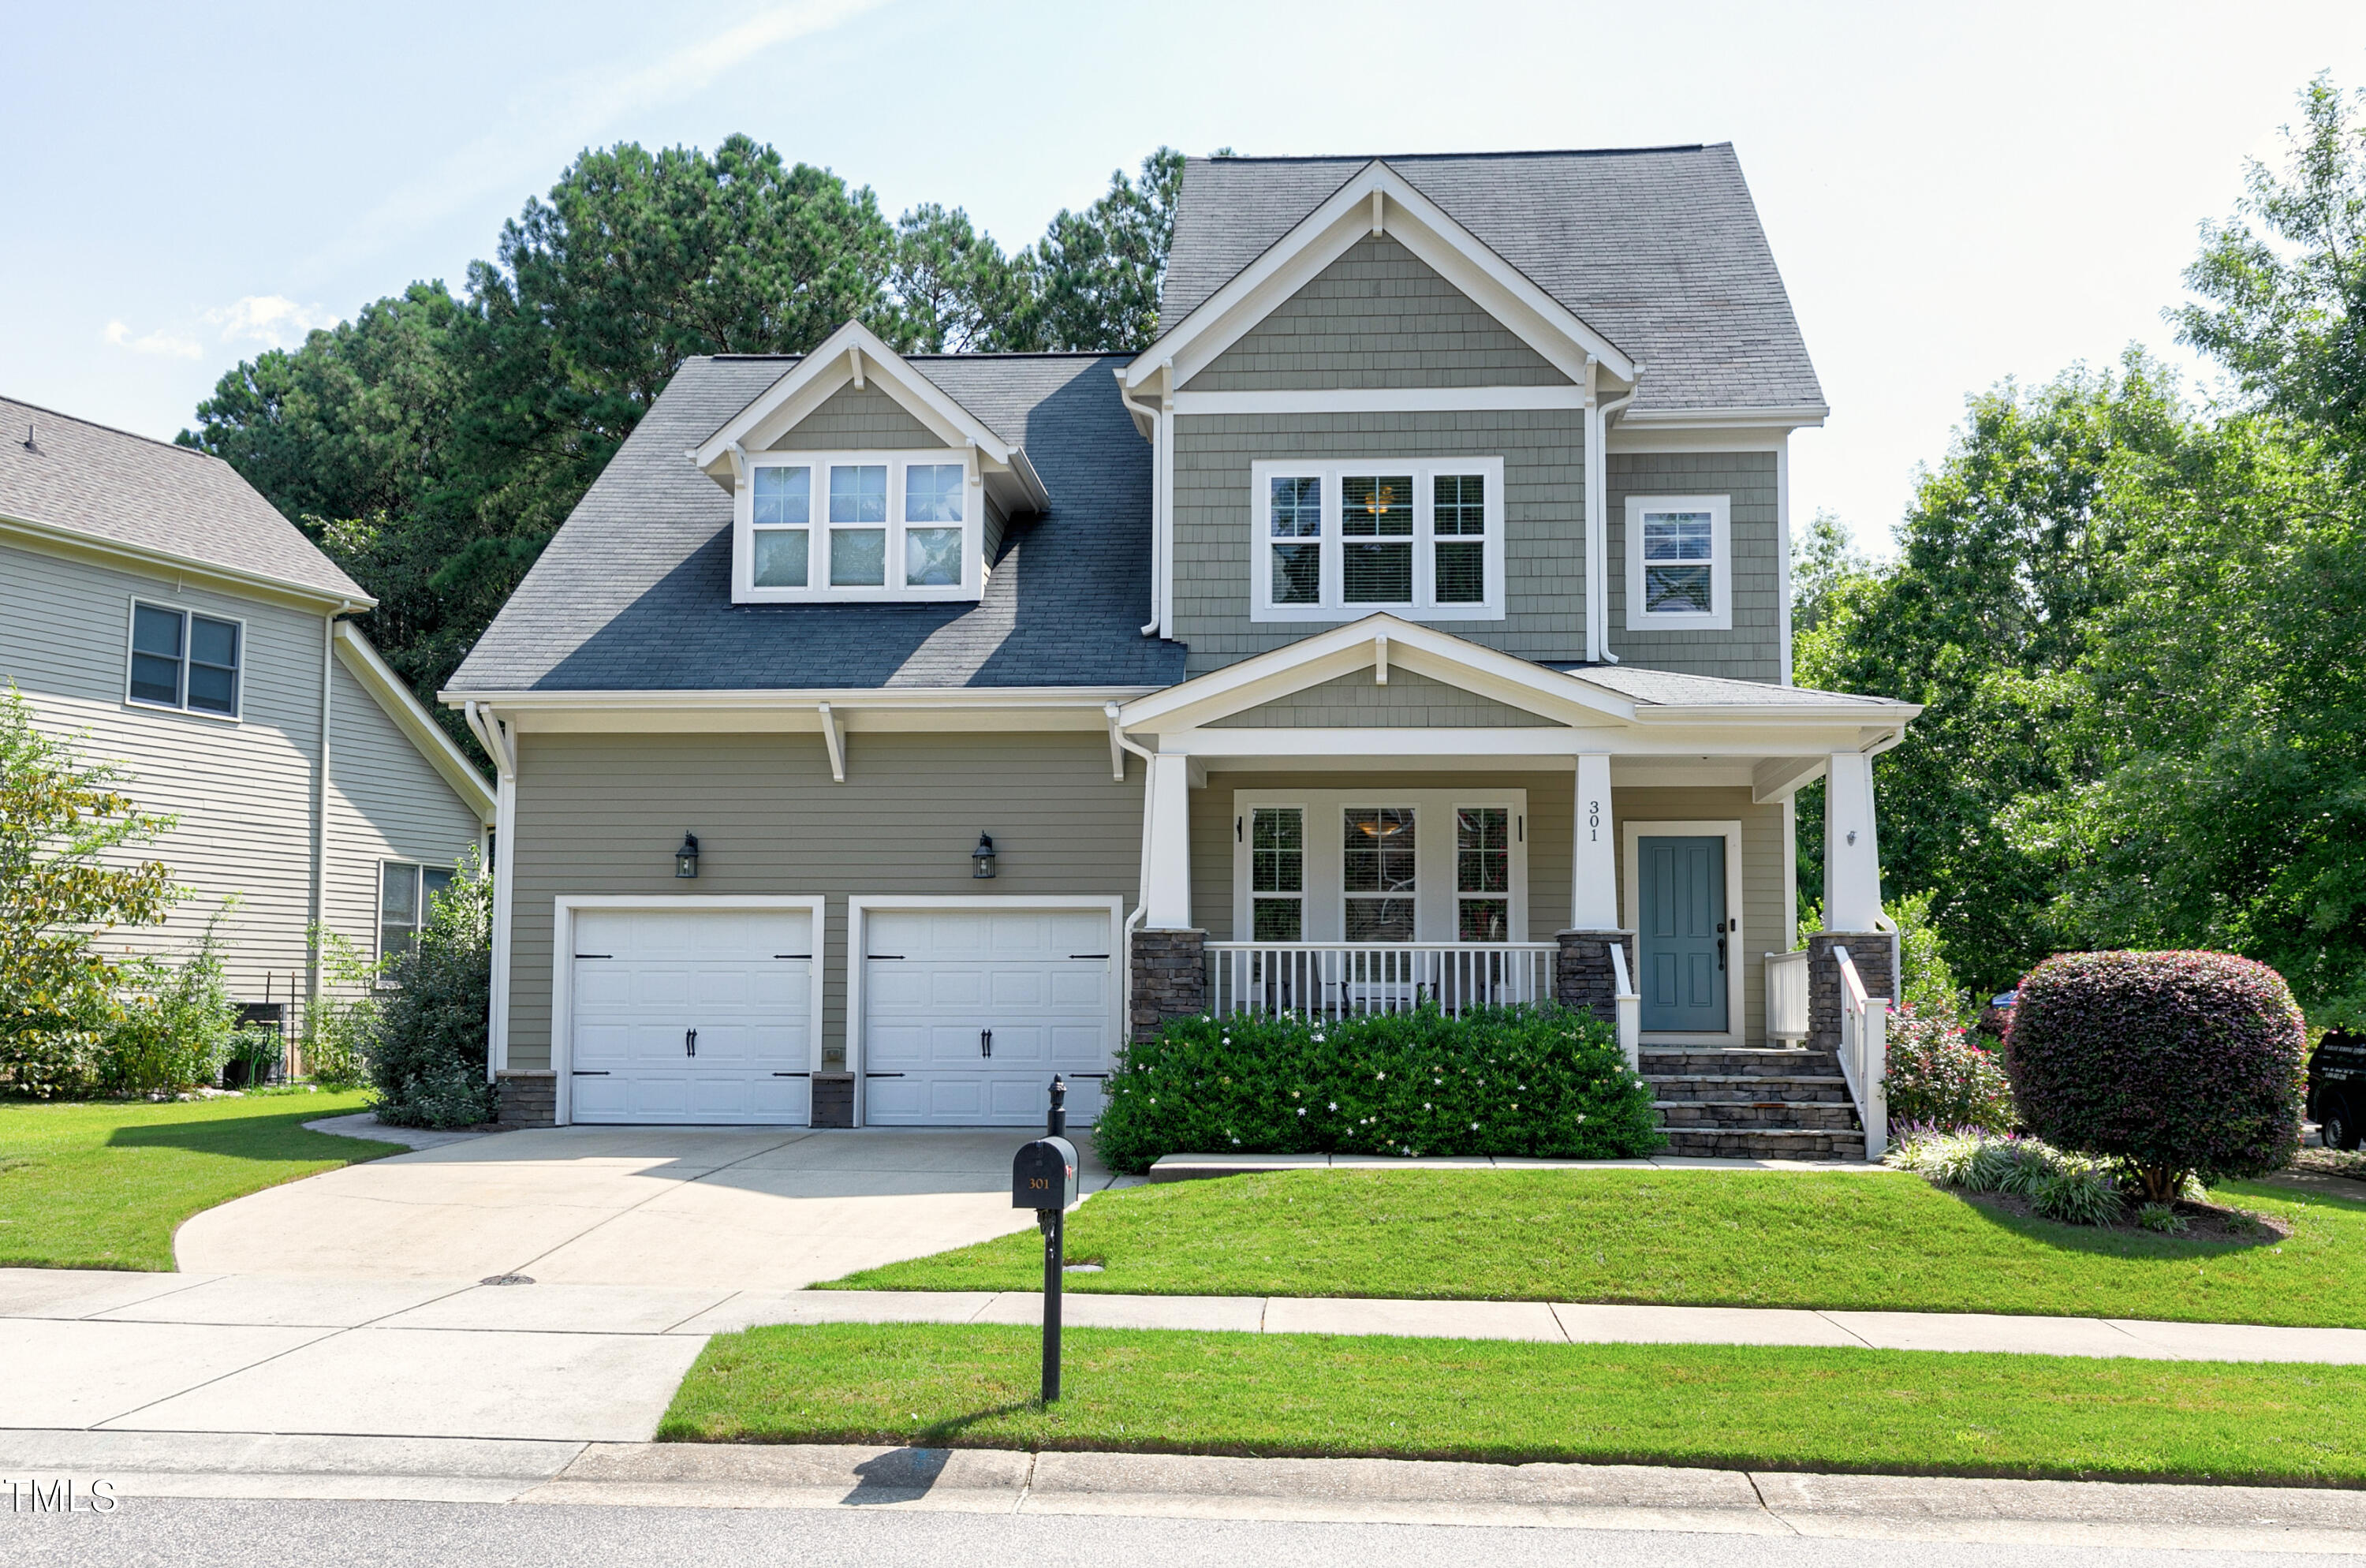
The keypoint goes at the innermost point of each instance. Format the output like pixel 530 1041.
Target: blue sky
pixel 1954 193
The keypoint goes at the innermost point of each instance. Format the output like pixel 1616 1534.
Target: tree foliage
pixel 64 881
pixel 433 443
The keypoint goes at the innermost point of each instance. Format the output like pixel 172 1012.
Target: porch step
pixel 1735 1061
pixel 1756 1102
pixel 1779 1115
pixel 1764 1143
pixel 1797 1091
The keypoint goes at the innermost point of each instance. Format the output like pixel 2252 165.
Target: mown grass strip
pixel 105 1184
pixel 1761 1407
pixel 1681 1237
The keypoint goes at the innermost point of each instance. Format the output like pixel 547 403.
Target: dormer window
pixel 1333 541
pixel 818 526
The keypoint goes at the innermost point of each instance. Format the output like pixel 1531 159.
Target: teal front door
pixel 1683 935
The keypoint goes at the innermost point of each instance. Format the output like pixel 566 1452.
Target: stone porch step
pixel 1797 1091
pixel 1740 1061
pixel 1766 1142
pixel 1702 1115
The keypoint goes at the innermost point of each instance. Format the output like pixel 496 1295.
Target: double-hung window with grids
pixel 1334 540
pixel 1679 562
pixel 183 660
pixel 820 527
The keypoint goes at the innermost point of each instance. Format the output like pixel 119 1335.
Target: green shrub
pixel 426 1046
pixel 1941 1075
pixel 2161 1217
pixel 178 1023
pixel 342 1019
pixel 2071 1188
pixel 1538 1082
pixel 2076 1192
pixel 2175 1063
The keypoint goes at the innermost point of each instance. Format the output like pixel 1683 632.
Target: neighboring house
pixel 1410 620
pixel 151 598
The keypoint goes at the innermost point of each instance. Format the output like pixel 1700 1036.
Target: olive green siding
pixel 1360 701
pixel 1544 520
pixel 1765 922
pixel 1551 820
pixel 1752 650
pixel 856 420
pixel 600 814
pixel 1379 316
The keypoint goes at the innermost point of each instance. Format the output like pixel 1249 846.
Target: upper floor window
pixel 818 526
pixel 1679 562
pixel 1333 540
pixel 182 660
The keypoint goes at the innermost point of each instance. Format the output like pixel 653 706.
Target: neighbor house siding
pixel 1544 518
pixel 1552 795
pixel 1358 701
pixel 385 803
pixel 243 790
pixel 1765 923
pixel 1752 650
pixel 1379 316
pixel 601 815
pixel 851 419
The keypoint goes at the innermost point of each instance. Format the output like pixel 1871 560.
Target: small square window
pixel 183 660
pixel 933 556
pixel 858 493
pixel 933 493
pixel 781 557
pixel 783 496
pixel 858 558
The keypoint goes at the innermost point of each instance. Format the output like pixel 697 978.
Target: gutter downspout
pixel 1141 873
pixel 1597 524
pixel 490 734
pixel 320 923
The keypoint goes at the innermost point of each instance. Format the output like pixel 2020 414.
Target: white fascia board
pixel 1381 400
pixel 830 367
pixel 74 542
pixel 1423 228
pixel 1424 650
pixel 1741 419
pixel 1872 711
pixel 419 727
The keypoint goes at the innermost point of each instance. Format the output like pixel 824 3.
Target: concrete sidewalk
pixel 984 1481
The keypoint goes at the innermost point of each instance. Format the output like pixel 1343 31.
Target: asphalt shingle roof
pixel 1670 689
pixel 1659 249
pixel 120 488
pixel 635 592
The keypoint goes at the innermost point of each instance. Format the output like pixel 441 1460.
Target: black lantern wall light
pixel 981 859
pixel 685 859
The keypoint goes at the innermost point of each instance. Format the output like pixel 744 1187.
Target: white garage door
pixel 967 1014
pixel 696 1015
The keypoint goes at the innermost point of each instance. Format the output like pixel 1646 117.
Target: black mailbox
pixel 1043 1175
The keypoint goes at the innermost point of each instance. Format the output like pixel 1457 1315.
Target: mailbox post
pixel 1044 1177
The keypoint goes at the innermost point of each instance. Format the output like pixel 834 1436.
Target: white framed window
pixel 406 895
pixel 1333 540
pixel 1679 562
pixel 182 660
pixel 1380 865
pixel 814 527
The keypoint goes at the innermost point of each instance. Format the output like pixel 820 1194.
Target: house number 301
pixel 1593 821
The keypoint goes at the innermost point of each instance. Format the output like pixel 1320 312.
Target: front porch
pixel 1386 818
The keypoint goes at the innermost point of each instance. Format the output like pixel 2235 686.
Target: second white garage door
pixel 692 1015
pixel 968 1013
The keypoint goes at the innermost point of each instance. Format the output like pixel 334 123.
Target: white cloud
pixel 272 320
pixel 169 344
pixel 542 129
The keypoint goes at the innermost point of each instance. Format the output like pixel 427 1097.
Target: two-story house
pixel 1408 623
pixel 155 604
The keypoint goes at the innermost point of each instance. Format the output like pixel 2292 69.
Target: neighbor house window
pixel 1335 540
pixel 1277 874
pixel 406 901
pixel 861 525
pixel 1679 562
pixel 1377 858
pixel 182 660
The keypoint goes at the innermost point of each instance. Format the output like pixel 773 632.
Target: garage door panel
pixel 1080 987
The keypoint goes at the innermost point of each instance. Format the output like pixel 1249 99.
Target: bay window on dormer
pixel 816 527
pixel 1335 540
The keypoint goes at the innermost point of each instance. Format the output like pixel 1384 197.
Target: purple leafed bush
pixel 2176 1063
pixel 1940 1075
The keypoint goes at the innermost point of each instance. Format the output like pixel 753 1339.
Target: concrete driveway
pixel 678 1208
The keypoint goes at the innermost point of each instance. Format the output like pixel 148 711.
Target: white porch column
pixel 1594 858
pixel 1167 884
pixel 1851 852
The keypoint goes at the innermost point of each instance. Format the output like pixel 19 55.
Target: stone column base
pixel 833 1100
pixel 527 1096
pixel 1582 977
pixel 1873 953
pixel 1169 971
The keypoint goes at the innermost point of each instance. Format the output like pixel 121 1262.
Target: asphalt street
pixel 212 1533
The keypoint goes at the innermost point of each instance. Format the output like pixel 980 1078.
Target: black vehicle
pixel 2337 1087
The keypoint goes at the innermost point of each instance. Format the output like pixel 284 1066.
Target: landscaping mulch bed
pixel 2204 1221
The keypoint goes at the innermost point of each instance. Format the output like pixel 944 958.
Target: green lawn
pixel 105 1185
pixel 1725 1238
pixel 1726 1405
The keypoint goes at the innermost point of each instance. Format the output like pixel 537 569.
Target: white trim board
pixel 859 906
pixel 1380 399
pixel 562 964
pixel 1631 833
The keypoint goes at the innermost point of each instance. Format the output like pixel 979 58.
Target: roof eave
pixel 99 543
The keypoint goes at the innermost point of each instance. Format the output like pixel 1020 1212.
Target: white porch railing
pixel 1332 980
pixel 1629 1003
pixel 1786 997
pixel 1864 1053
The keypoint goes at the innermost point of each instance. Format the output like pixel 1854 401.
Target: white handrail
pixel 1627 1004
pixel 1864 1053
pixel 1787 996
pixel 1338 979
